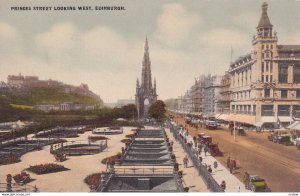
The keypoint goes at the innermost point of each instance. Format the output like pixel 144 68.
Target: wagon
pixel 206 139
pixel 241 131
pixel 214 150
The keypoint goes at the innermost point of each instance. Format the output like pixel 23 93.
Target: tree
pixel 157 110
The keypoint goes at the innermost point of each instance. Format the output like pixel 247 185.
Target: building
pixel 223 102
pixel 145 93
pixel 265 83
pixel 211 92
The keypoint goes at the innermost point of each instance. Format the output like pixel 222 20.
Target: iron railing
pixel 202 171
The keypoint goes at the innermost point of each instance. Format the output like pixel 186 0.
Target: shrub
pixel 93 180
pixel 112 159
pixel 125 140
pixel 46 168
pixel 173 156
pixel 129 135
pixel 9 159
pixel 96 138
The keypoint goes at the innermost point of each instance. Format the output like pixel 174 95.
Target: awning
pixel 296 127
pixel 217 115
pixel 223 117
pixel 285 119
pixel 293 124
pixel 246 119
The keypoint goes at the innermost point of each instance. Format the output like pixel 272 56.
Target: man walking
pixel 205 149
pixel 185 161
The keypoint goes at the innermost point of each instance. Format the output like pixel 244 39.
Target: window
pixel 297 73
pixel 267 92
pixel 283 74
pixel 283 110
pixel 267 78
pixel 298 93
pixel 262 55
pixel 284 93
pixel 271 66
pixel 267 110
pixel 271 78
pixel 262 46
pixel 262 78
pixel 267 46
pixel 262 67
pixel 271 46
pixel 267 66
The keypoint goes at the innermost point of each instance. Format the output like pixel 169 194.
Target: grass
pixel 21 106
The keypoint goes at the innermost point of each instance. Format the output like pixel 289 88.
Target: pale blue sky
pixel 104 48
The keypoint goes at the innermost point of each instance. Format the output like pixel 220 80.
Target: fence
pixel 202 171
pixel 79 147
pixel 14 187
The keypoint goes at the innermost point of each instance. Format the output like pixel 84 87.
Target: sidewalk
pixel 233 184
pixel 191 178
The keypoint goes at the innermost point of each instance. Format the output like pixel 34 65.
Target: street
pixel 278 164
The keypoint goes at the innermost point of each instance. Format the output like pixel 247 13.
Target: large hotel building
pixel 265 84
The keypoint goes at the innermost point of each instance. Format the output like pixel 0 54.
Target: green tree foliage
pixel 157 110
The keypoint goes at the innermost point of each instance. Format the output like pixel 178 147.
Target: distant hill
pixel 38 96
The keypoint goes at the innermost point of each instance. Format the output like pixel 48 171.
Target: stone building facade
pixel 265 83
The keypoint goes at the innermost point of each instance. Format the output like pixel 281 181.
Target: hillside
pixel 37 96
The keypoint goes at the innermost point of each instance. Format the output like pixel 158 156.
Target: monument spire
pixel 146 68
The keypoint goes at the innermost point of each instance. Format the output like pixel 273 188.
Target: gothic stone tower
pixel 145 93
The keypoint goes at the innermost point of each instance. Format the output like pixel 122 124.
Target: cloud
pixel 7 31
pixel 222 39
pixel 175 24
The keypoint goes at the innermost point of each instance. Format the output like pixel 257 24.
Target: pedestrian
pixel 228 162
pixel 215 164
pixel 200 159
pixel 230 167
pixel 171 143
pixel 209 169
pixel 199 149
pixel 246 179
pixel 223 185
pixel 185 161
pixel 205 149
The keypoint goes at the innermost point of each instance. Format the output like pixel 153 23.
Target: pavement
pixel 233 184
pixel 191 178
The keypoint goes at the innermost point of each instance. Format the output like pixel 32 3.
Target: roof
pixel 264 19
pixel 283 48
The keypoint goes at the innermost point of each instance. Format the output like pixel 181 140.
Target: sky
pixel 104 49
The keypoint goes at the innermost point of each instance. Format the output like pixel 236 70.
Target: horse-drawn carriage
pixel 241 131
pixel 214 150
pixel 204 139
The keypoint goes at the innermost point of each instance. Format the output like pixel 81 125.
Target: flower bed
pixel 9 159
pixel 112 159
pixel 46 168
pixel 129 135
pixel 125 140
pixel 96 138
pixel 93 180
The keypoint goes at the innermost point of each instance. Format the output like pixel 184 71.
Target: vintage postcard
pixel 165 96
